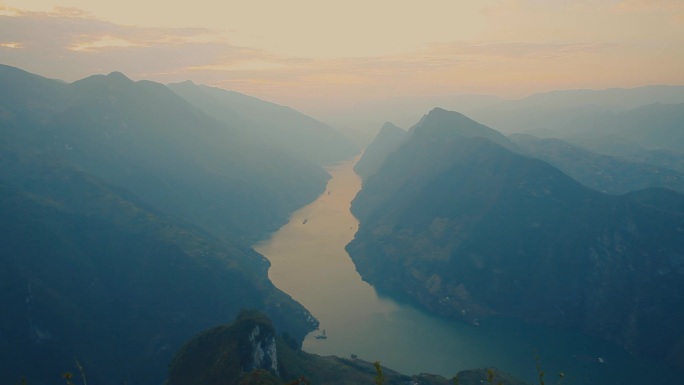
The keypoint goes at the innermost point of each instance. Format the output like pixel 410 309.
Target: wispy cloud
pixel 75 45
pixel 70 44
pixel 11 44
pixel 517 49
pixel 7 11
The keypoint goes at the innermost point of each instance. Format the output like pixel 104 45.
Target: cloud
pixel 517 49
pixel 11 44
pixel 71 44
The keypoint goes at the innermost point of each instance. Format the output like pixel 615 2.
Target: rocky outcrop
pixel 248 352
pixel 224 354
pixel 264 352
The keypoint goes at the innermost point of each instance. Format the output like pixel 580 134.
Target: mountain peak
pixel 110 79
pixel 184 84
pixel 247 344
pixel 440 110
pixel 443 124
pixel 118 76
pixel 389 126
pixel 451 116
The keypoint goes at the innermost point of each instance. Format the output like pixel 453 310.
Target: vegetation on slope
pixel 468 228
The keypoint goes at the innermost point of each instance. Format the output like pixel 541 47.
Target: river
pixel 309 262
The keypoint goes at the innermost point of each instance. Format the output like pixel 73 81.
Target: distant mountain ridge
pixel 603 173
pixel 270 124
pixel 562 110
pixel 144 137
pixel 622 98
pixel 469 228
pixel 651 127
pixel 388 139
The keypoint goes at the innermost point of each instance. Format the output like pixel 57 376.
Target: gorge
pixel 308 261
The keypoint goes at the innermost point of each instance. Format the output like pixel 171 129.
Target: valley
pixel 147 224
pixel 309 262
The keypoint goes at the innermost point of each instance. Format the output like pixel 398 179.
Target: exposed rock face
pixel 222 355
pixel 468 228
pixel 265 355
pixel 246 352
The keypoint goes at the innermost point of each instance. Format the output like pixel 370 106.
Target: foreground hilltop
pixel 248 351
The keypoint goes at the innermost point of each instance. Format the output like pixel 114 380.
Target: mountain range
pixel 269 124
pixel 604 173
pixel 128 216
pixel 468 225
pixel 128 210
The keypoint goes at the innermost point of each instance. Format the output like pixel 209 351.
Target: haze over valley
pixel 482 192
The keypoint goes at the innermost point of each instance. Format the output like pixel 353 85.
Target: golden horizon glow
pixel 316 55
pixel 12 44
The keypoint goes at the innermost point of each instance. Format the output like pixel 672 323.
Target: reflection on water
pixel 308 261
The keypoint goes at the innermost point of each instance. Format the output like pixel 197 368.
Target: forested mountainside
pixel 127 219
pixel 143 137
pixel 468 228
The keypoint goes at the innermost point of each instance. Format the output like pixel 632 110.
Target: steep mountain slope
pixel 388 139
pixel 92 273
pixel 440 124
pixel 248 351
pixel 599 172
pixel 270 124
pixel 366 117
pixel 468 228
pixel 126 216
pixel 145 138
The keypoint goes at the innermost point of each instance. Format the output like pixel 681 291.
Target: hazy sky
pixel 316 54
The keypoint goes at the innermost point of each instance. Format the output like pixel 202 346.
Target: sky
pixel 320 55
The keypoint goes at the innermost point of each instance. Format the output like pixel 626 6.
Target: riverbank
pixel 309 262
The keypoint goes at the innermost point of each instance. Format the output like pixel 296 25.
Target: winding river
pixel 309 262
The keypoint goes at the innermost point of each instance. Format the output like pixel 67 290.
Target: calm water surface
pixel 308 261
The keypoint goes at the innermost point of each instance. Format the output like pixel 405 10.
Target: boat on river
pixel 321 336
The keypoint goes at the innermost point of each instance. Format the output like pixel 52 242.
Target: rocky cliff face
pixel 248 352
pixel 264 352
pixel 224 354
